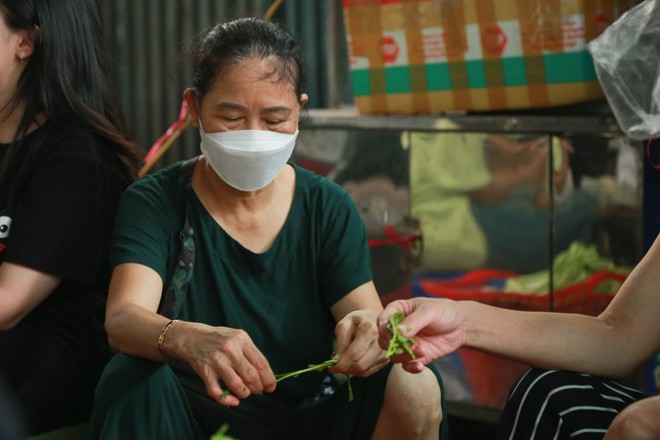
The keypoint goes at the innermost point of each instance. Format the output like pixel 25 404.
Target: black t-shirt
pixel 58 196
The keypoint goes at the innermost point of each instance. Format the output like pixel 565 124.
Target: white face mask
pixel 247 160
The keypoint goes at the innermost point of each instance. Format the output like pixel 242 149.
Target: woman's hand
pixel 222 355
pixel 435 324
pixel 357 345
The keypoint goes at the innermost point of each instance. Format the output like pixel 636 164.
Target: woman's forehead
pixel 252 74
pixel 252 68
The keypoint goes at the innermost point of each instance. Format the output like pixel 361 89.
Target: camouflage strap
pixel 173 297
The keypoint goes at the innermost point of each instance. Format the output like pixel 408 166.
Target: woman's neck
pixel 9 120
pixel 9 123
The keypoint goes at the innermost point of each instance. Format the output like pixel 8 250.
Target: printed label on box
pixel 513 47
pixel 473 35
pixel 574 35
pixel 434 47
pixel 493 40
pixel 439 45
pixel 356 62
pixel 395 48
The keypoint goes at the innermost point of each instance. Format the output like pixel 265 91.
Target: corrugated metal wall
pixel 147 38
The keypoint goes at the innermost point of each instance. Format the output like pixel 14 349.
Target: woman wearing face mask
pixel 238 265
pixel 64 161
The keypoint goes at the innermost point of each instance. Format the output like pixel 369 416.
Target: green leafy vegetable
pixel 572 266
pixel 220 435
pixel 225 393
pixel 350 389
pixel 398 343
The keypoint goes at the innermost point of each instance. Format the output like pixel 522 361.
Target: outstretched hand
pixel 434 324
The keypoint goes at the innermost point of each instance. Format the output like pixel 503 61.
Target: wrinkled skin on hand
pixel 357 346
pixel 221 355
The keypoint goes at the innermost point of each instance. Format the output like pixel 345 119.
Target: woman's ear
pixel 25 46
pixel 191 102
pixel 303 99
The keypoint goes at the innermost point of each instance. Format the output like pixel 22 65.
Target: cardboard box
pixel 430 56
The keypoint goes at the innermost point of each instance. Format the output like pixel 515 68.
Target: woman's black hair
pixel 67 77
pixel 226 44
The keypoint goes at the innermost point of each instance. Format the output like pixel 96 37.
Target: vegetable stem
pixel 221 433
pixel 317 367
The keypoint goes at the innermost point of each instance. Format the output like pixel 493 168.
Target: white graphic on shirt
pixel 5 223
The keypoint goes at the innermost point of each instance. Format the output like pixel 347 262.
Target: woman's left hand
pixel 357 346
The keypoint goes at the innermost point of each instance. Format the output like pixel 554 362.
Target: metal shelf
pixel 574 119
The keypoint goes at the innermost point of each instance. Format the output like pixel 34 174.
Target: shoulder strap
pixel 173 297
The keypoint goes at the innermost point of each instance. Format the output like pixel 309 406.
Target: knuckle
pixel 226 345
pixel 341 327
pixel 234 384
pixel 353 355
pixel 250 376
pixel 242 336
pixel 368 328
pixel 261 364
pixel 359 369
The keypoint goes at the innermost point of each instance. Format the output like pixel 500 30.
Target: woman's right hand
pixel 436 325
pixel 219 355
pixel 222 355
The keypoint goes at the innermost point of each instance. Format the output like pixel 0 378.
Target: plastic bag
pixel 627 60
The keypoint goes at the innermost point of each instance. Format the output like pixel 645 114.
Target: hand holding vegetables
pixel 434 324
pixel 225 358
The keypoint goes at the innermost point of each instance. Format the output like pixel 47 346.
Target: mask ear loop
pixel 199 121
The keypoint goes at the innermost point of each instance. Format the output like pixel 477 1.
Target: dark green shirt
pixel 281 297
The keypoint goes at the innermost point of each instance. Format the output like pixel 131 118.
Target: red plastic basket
pixel 577 298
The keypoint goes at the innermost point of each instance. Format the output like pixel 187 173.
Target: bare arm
pixel 21 290
pixel 625 335
pixel 612 344
pixel 363 297
pixel 131 321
